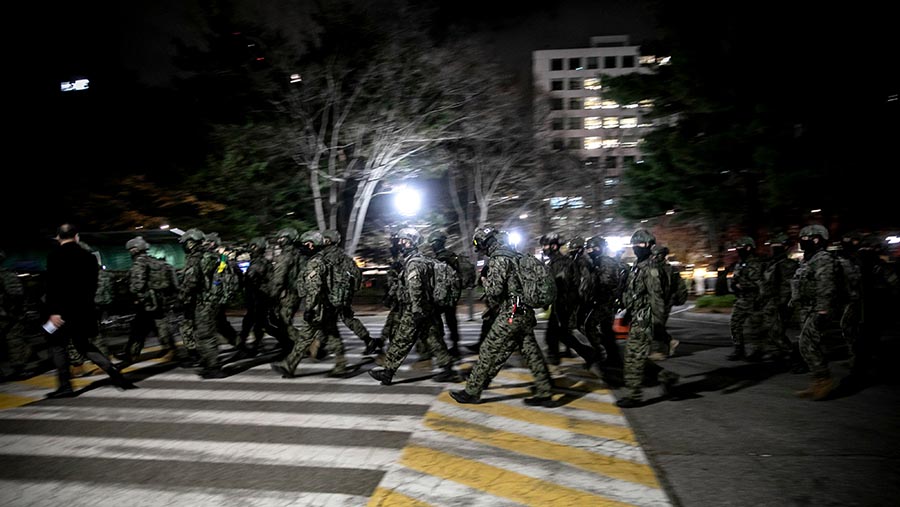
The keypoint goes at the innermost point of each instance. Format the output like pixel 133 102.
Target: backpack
pixel 846 281
pixel 162 275
pixel 444 280
pixel 226 282
pixel 344 279
pixel 467 278
pixel 537 284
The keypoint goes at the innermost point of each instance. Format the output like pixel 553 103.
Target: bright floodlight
pixel 514 239
pixel 407 201
pixel 617 243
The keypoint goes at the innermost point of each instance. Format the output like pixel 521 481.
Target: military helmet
pixel 314 237
pixel 659 250
pixel 437 237
pixel 814 230
pixel 259 242
pixel 745 241
pixel 779 239
pixel 597 242
pixel 411 234
pixel 289 233
pixel 642 236
pixel 213 237
pixel 192 235
pixel 138 243
pixel 482 237
pixel 332 236
pixel 575 243
pixel 551 238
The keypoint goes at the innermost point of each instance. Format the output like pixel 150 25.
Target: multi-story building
pixel 583 124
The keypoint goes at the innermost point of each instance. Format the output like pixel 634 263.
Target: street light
pixel 407 200
pixel 514 239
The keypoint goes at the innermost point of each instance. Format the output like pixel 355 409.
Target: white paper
pixel 50 327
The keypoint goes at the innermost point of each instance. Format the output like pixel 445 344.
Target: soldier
pixel 199 309
pixel 256 298
pixel 675 294
pixel 320 316
pixel 565 307
pixel 438 242
pixel 215 256
pixel 391 295
pixel 418 319
pixel 746 283
pixel 336 259
pixel 512 329
pixel 600 289
pixel 151 302
pixel 643 300
pixel 776 296
pixel 813 293
pixel 288 267
pixel 12 321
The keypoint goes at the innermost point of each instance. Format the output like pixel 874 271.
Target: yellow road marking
pixel 609 466
pixel 384 497
pixel 578 385
pixel 49 382
pixel 497 481
pixel 594 429
pixel 13 401
pixel 591 406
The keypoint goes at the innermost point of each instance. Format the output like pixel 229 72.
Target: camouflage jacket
pixel 315 283
pixel 813 285
pixel 563 269
pixel 748 278
pixel 286 283
pixel 643 297
pixel 12 295
pixel 414 290
pixel 777 276
pixel 449 257
pixel 601 281
pixel 139 281
pixel 257 275
pixel 194 280
pixel 502 280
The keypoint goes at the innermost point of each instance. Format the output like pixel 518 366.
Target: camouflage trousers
pixel 743 315
pixel 198 332
pixel 775 317
pixel 408 333
pixel 16 347
pixel 811 344
pixel 326 332
pixel 637 355
pixel 502 340
pixel 283 320
pixel 851 327
pixel 345 314
pixel 390 325
pixel 598 328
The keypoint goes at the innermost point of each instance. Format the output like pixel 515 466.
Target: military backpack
pixel 162 275
pixel 344 280
pixel 537 284
pixel 225 283
pixel 445 287
pixel 467 275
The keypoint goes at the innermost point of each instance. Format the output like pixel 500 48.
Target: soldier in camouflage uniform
pixel 319 317
pixel 643 300
pixel 776 294
pixel 212 245
pixel 288 266
pixel 199 310
pixel 256 298
pixel 391 295
pixel 418 317
pixel 512 330
pixel 813 293
pixel 151 306
pixel 334 257
pixel 600 288
pixel 438 243
pixel 563 314
pixel 12 321
pixel 746 283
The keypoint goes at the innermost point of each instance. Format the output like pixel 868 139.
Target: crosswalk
pixel 256 439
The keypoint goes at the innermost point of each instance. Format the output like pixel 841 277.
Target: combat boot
pixel 447 375
pixel 464 397
pixel 737 355
pixel 539 401
pixel 282 368
pixel 629 402
pixel 340 367
pixel 384 376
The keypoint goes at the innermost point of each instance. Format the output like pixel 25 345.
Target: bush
pixel 710 301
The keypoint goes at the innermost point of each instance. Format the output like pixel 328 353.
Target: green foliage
pixel 710 301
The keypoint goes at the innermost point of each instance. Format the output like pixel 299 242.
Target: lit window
pixel 630 142
pixel 609 143
pixel 647 60
pixel 610 182
pixel 575 201
pixel 629 122
pixel 630 106
pixel 609 202
pixel 593 122
pixel 592 102
pixel 609 104
pixel 610 122
pixel 646 104
pixel 593 143
pixel 592 83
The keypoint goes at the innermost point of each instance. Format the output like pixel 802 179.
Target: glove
pixel 309 315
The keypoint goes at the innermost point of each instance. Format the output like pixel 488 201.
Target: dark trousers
pixel 452 324
pixel 80 336
pixel 557 332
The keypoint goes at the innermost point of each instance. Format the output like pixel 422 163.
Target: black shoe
pixel 126 386
pixel 212 374
pixel 62 392
pixel 737 355
pixel 384 376
pixel 462 396
pixel 668 384
pixel 337 373
pixel 539 401
pixel 629 403
pixel 454 352
pixel 282 369
pixel 321 354
pixel 448 375
pixel 554 360
pixel 374 346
